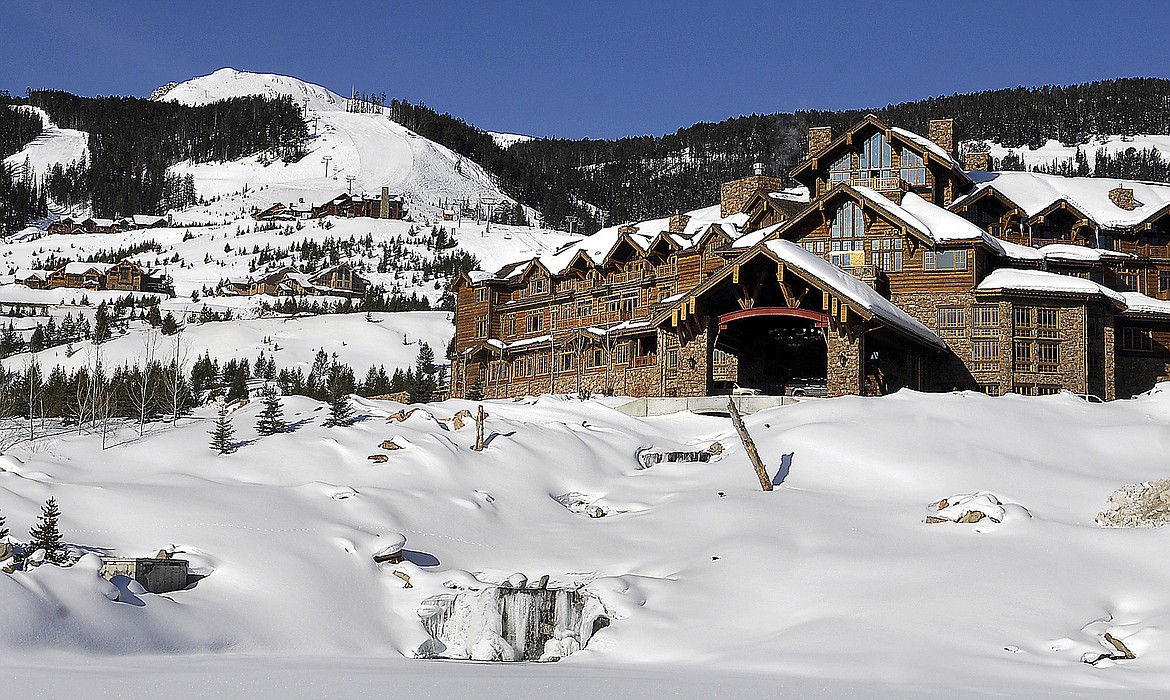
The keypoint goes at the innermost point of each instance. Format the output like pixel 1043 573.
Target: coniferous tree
pixel 221 434
pixel 169 325
pixel 101 325
pixel 271 419
pixel 422 389
pixel 47 534
pixel 3 527
pixel 340 412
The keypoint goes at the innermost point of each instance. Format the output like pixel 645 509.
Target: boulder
pixel 378 458
pixel 6 551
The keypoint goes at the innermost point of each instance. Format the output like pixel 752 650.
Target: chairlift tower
pixel 349 182
pixel 489 204
pixel 572 220
pixel 326 160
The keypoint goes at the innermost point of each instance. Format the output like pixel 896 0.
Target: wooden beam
pixel 786 291
pixel 735 274
pixel 749 446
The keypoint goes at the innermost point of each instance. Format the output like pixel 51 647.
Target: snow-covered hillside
pixel 833 585
pixel 371 148
pixel 53 145
pixel 1055 150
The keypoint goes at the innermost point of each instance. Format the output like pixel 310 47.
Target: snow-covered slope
pixel 830 586
pixel 373 149
pixel 53 145
pixel 1055 150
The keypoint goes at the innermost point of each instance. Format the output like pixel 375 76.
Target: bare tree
pixel 175 378
pixel 142 388
pixel 32 373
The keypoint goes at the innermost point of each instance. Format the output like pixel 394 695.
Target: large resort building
pixel 894 265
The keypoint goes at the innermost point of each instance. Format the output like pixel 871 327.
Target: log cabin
pixel 891 265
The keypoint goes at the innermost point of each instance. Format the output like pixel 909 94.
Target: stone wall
pixel 946 371
pixel 733 195
pixel 1122 197
pixel 977 161
pixel 846 357
pixel 818 138
pixel 942 132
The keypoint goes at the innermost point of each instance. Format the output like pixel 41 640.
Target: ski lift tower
pixel 325 160
pixel 489 204
pixel 349 182
pixel 573 220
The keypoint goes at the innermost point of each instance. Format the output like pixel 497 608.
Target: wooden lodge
pixel 125 275
pixel 338 280
pixel 91 224
pixel 383 206
pixel 893 265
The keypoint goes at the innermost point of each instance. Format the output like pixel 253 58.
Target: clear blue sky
pixel 589 68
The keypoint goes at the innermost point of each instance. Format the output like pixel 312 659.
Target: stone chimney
pixel 628 229
pixel 384 208
pixel 818 138
pixel 1122 197
pixel 942 132
pixel 678 222
pixel 735 194
pixel 977 161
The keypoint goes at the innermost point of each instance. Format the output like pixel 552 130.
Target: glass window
pixel 913 169
pixel 985 355
pixel 952 322
pixel 985 321
pixel 944 260
pixel 1137 339
pixel 876 154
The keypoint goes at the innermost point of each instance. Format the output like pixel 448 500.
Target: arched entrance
pixel 779 349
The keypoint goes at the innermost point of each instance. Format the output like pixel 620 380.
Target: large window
pixel 944 260
pixel 876 155
pixel 534 322
pixel 985 322
pixel 984 355
pixel 839 171
pixel 952 322
pixel 847 234
pixel 1036 339
pixel 1137 339
pixel 481 328
pixel 887 254
pixel 913 169
pixel 481 294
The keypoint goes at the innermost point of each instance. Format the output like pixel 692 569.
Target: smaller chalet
pixel 338 280
pixel 91 224
pixel 345 205
pixel 125 275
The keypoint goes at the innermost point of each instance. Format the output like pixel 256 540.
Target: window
pixel 542 365
pixel 876 155
pixel 1164 281
pixel 621 353
pixel 595 358
pixel 534 322
pixel 1137 339
pixel 1127 282
pixel 847 234
pixel 499 371
pixel 672 360
pixel 887 254
pixel 952 322
pixel 839 170
pixel 720 358
pixel 1036 344
pixel 913 169
pixel 566 361
pixel 584 308
pixel 989 389
pixel 984 355
pixel 537 285
pixel 481 294
pixel 481 328
pixel 985 322
pixel 944 260
pixel 522 366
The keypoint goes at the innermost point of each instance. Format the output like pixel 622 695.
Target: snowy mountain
pixel 1054 150
pixel 370 148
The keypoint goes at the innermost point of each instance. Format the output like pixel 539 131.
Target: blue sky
pixel 594 68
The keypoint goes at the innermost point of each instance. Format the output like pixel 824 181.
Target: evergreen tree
pixel 271 420
pixel 221 434
pixel 422 389
pixel 340 412
pixel 153 317
pixel 169 325
pixel 476 391
pixel 101 325
pixel 47 535
pixel 3 527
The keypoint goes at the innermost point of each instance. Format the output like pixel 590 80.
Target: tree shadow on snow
pixel 297 425
pixel 420 559
pixel 785 467
pixel 493 436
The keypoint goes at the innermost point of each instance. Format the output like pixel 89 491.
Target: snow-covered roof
pixel 27 274
pixel 1007 279
pixel 936 151
pixel 1080 253
pixel 146 219
pixel 598 245
pixel 102 223
pixel 80 268
pixel 1142 305
pixel 1035 192
pixel 852 288
pixel 792 194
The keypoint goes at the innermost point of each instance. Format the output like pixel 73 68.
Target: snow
pixel 830 586
pixel 935 150
pixel 392 340
pixel 504 140
pixel 1035 192
pixel 853 289
pixel 1039 281
pixel 372 148
pixel 1055 150
pixel 53 145
pixel 1141 305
